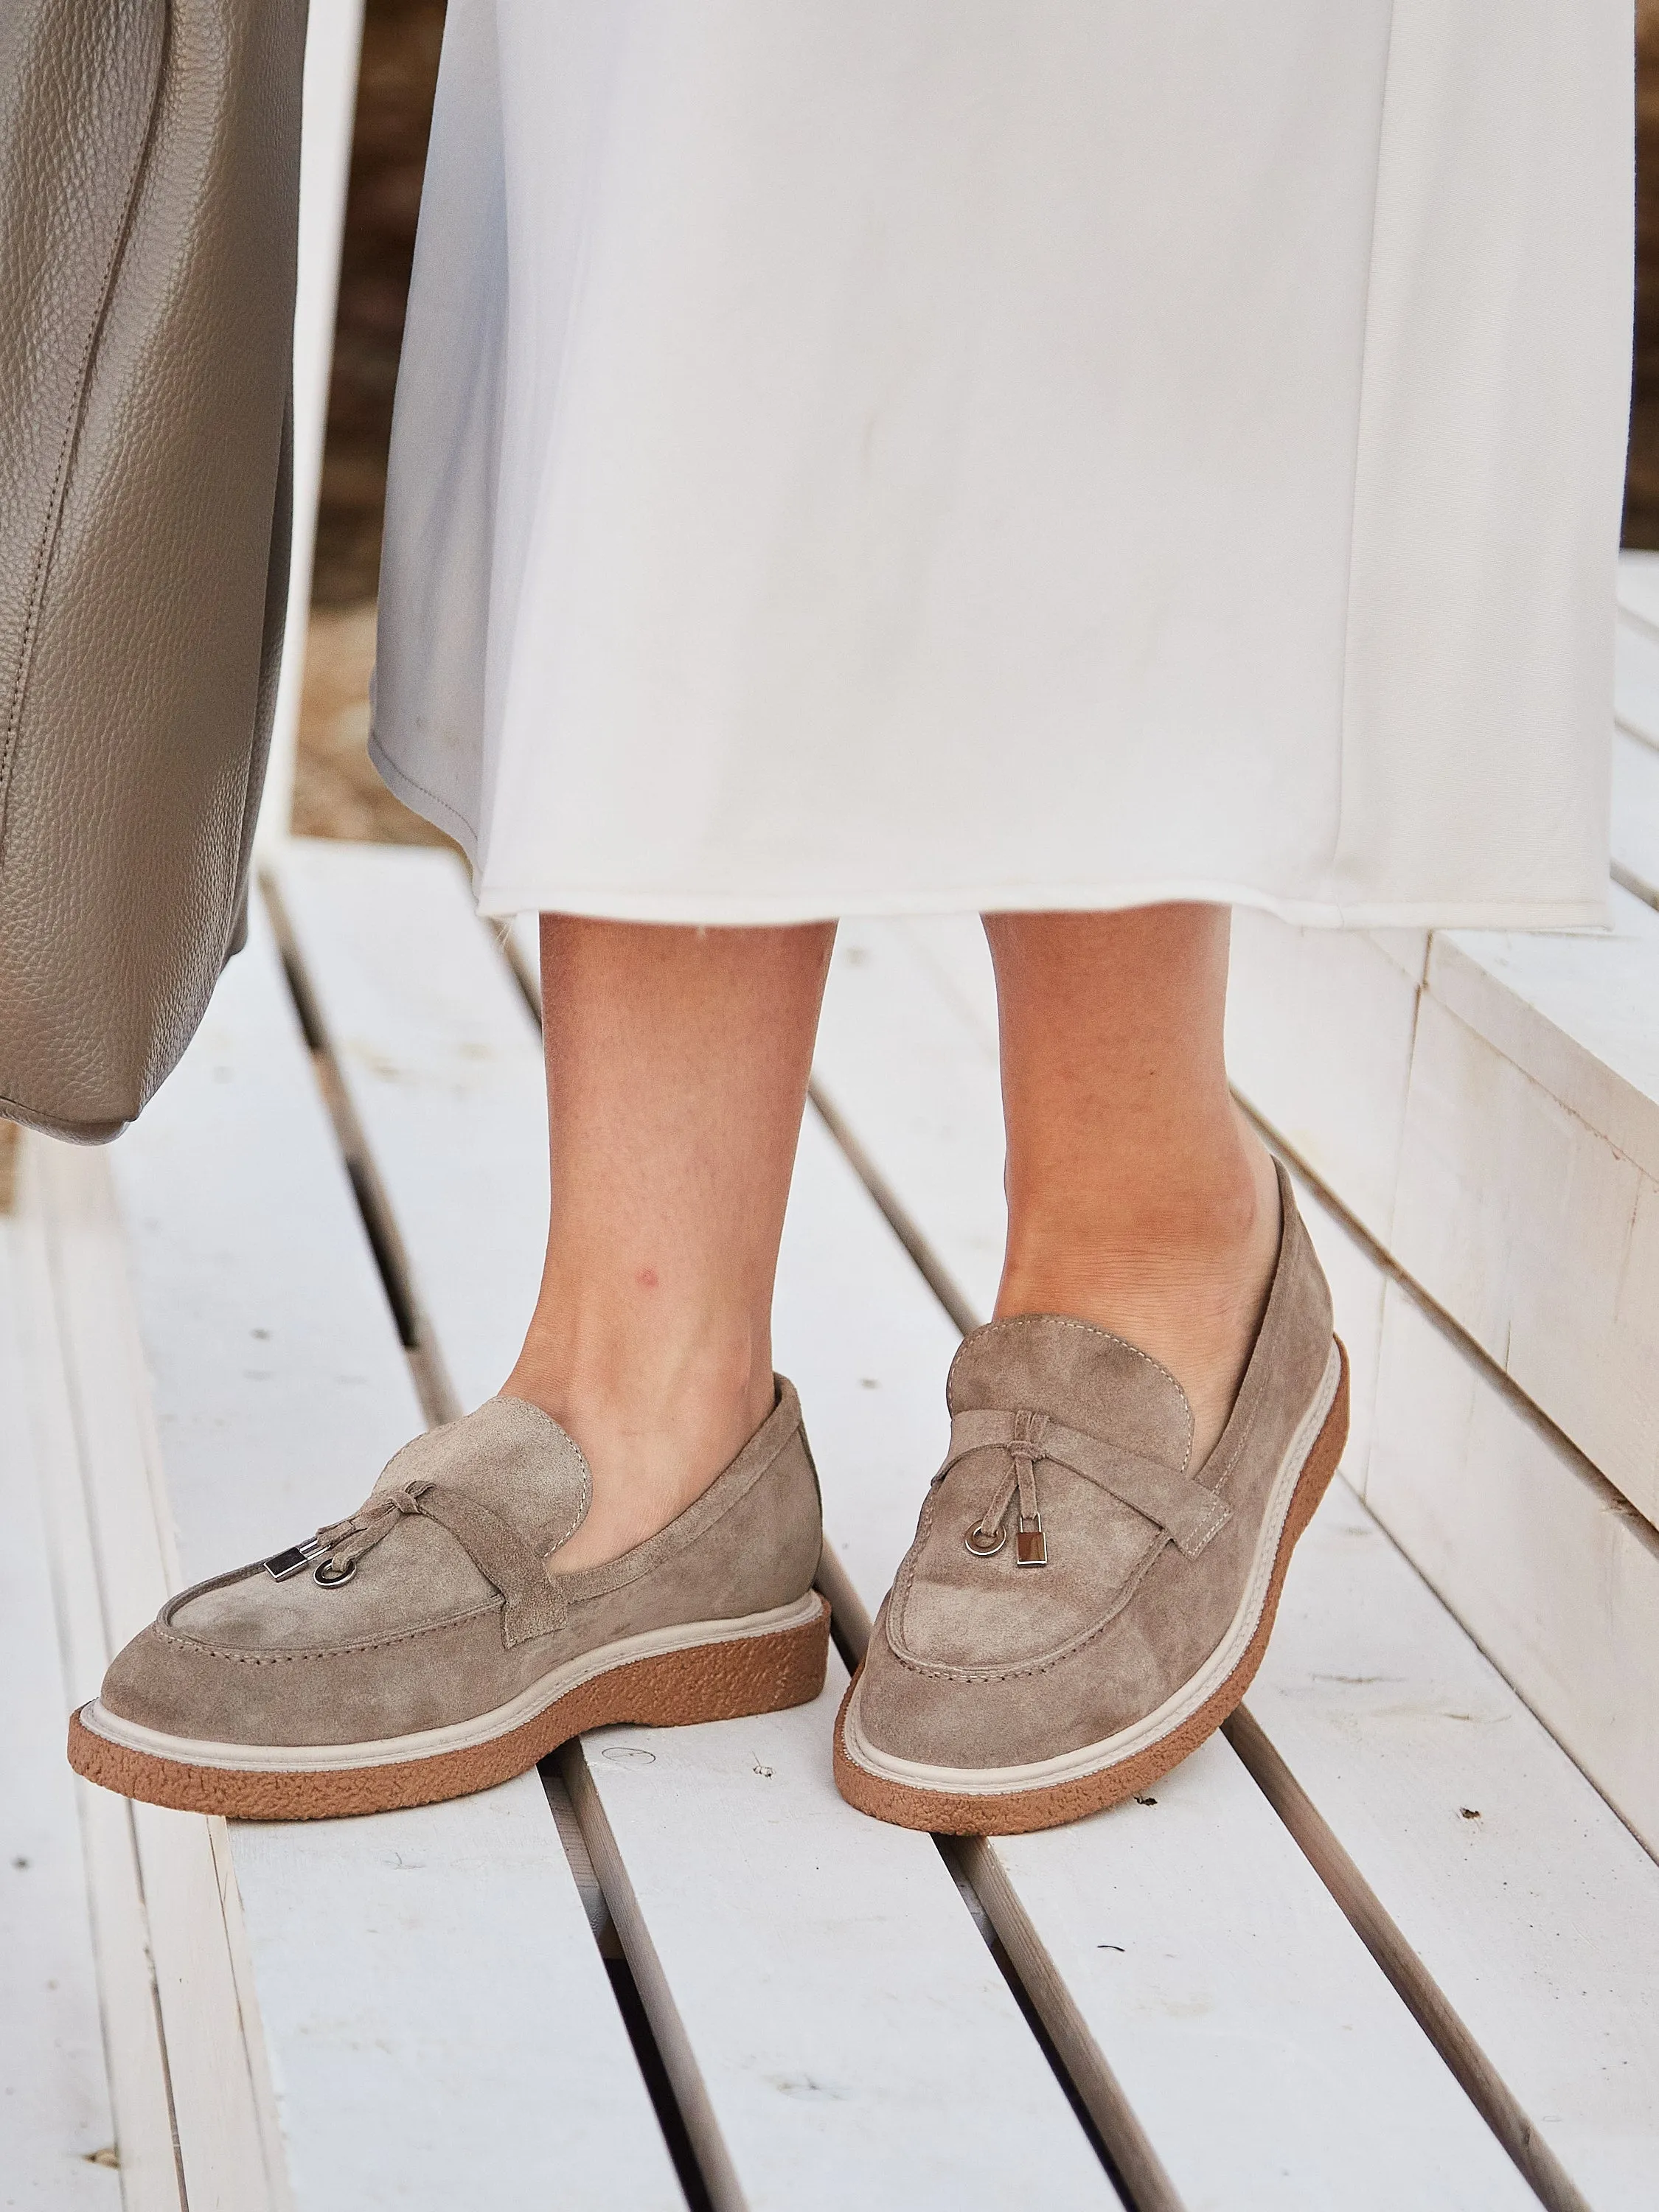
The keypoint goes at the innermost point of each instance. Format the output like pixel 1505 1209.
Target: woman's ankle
pixel 1186 1284
pixel 657 1423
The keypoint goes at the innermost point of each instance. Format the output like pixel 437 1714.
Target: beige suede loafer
pixel 1080 1609
pixel 428 1646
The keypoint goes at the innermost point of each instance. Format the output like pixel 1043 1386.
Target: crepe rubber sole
pixel 987 1811
pixel 727 1677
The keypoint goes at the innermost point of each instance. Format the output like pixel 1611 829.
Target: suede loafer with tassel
pixel 1082 1608
pixel 428 1646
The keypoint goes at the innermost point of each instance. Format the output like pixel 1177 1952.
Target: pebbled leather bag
pixel 148 210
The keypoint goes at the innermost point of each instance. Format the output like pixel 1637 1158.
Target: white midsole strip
pixel 460 1736
pixel 1112 1750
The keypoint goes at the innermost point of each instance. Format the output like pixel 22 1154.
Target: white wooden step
pixel 1588 2123
pixel 829 2014
pixel 438 2026
pixel 1546 1565
pixel 1574 1011
pixel 1549 1567
pixel 1528 1201
pixel 1496 1130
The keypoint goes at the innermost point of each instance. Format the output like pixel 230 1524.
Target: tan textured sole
pixel 718 1681
pixel 948 1813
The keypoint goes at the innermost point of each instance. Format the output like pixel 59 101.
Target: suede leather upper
pixel 978 1663
pixel 416 1637
pixel 951 1608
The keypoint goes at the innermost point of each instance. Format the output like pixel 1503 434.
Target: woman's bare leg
pixel 677 1069
pixel 1138 1197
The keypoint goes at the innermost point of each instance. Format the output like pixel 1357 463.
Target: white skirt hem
pixel 703 909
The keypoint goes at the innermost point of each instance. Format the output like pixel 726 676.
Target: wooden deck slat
pixel 838 2024
pixel 439 2027
pixel 151 2179
pixel 837 2029
pixel 888 997
pixel 1257 2007
pixel 55 2107
pixel 1467 1913
pixel 855 1359
pixel 1533 1907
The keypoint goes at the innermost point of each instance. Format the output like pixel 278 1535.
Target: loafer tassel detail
pixel 531 1605
pixel 1184 1509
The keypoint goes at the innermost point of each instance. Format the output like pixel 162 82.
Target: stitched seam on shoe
pixel 585 1497
pixel 1251 1416
pixel 583 1501
pixel 1085 1328
pixel 1291 1225
pixel 201 1650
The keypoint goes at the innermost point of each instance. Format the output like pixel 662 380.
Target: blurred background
pixel 337 793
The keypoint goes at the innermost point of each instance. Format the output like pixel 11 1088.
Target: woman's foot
pixel 444 1637
pixel 1089 1594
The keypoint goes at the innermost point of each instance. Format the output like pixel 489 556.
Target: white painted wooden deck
pixel 1392 1941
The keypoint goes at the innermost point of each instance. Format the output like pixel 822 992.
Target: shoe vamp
pixel 416 1577
pixel 952 1609
pixel 509 1456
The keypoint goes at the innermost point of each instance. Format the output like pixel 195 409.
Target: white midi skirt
pixel 897 456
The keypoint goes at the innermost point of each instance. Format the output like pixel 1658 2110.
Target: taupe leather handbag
pixel 149 208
